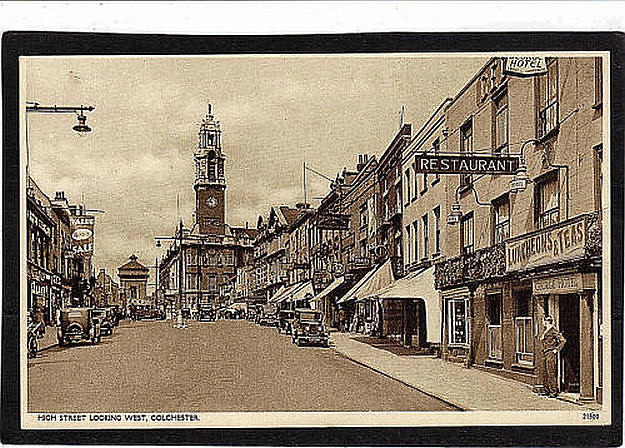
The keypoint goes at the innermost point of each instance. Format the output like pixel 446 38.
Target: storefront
pixel 495 320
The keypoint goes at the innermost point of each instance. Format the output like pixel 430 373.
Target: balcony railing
pixel 480 265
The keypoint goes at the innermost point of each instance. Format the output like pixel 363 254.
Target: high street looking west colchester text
pixel 469 248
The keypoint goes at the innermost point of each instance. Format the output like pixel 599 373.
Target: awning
pixel 419 285
pixel 278 294
pixel 301 292
pixel 371 283
pixel 287 292
pixel 331 287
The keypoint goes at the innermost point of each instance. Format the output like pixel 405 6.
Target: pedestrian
pixel 552 342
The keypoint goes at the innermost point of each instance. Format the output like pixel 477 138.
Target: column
pixel 586 353
pixel 540 311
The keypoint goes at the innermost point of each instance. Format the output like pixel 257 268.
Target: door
pixel 569 356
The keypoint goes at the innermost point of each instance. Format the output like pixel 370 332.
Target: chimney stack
pixel 362 161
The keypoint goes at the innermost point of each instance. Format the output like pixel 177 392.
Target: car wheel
pixel 298 342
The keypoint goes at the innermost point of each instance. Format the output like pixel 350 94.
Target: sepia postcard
pixel 315 239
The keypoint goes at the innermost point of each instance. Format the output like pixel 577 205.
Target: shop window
pixel 467 233
pixel 212 283
pixel 437 230
pixel 493 315
pixel 466 147
pixel 457 322
pixel 548 99
pixel 501 219
pixel 524 338
pixel 501 118
pixel 426 240
pixel 547 200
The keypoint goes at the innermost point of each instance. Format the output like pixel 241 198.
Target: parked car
pixel 206 314
pixel 308 328
pixel 268 316
pixel 285 321
pixel 77 324
pixel 105 317
pixel 251 314
pixel 235 311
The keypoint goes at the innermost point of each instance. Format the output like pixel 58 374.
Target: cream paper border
pixel 339 419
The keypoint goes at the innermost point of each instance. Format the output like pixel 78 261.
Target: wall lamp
pixel 456 211
pixel 519 183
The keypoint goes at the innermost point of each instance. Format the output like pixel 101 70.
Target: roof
pixel 290 214
pixel 244 231
pixel 132 264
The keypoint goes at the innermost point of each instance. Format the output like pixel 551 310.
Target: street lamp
pixel 518 184
pixel 180 319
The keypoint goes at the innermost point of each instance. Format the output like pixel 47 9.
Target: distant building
pixel 133 281
pixel 202 258
pixel 106 290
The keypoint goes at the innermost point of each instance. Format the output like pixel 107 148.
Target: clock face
pixel 211 202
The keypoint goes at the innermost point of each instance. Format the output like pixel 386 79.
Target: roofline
pixel 472 80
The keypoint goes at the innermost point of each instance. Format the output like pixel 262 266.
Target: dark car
pixel 78 324
pixel 105 316
pixel 308 328
pixel 285 321
pixel 206 314
pixel 268 316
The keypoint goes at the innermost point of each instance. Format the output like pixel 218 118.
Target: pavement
pixel 149 366
pixel 469 389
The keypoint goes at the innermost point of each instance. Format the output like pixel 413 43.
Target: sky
pixel 275 111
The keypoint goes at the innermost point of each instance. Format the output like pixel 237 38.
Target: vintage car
pixel 308 328
pixel 206 314
pixel 268 316
pixel 285 321
pixel 78 324
pixel 105 316
pixel 235 311
pixel 251 314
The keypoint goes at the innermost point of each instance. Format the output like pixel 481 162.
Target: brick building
pixel 523 250
pixel 201 258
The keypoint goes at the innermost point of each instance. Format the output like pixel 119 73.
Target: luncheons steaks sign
pixel 470 164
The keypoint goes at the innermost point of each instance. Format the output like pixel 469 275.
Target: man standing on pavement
pixel 552 343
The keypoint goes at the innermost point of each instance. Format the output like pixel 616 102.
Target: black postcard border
pixel 15 44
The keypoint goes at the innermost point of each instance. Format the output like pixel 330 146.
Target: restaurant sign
pixel 562 242
pixel 525 66
pixel 470 164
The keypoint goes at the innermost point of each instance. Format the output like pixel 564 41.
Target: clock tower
pixel 210 178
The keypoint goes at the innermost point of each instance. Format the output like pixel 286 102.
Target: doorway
pixel 569 356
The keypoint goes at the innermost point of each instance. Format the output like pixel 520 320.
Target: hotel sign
pixel 470 164
pixel 562 242
pixel 525 66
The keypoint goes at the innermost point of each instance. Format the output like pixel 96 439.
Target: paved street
pixel 149 366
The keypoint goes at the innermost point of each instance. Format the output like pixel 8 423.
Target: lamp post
pixel 179 238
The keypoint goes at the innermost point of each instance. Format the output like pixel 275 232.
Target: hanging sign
pixel 333 221
pixel 525 66
pixel 469 164
pixel 82 235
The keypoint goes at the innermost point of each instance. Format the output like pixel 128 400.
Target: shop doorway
pixel 569 356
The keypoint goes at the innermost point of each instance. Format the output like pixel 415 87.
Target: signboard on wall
pixel 469 164
pixel 562 242
pixel 525 66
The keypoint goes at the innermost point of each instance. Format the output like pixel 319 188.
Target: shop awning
pixel 301 292
pixel 280 292
pixel 331 287
pixel 287 292
pixel 371 283
pixel 415 286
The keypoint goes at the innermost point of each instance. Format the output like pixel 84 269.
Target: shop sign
pixel 40 289
pixel 82 235
pixel 469 164
pixel 563 284
pixel 525 66
pixel 563 242
pixel 359 263
pixel 333 221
